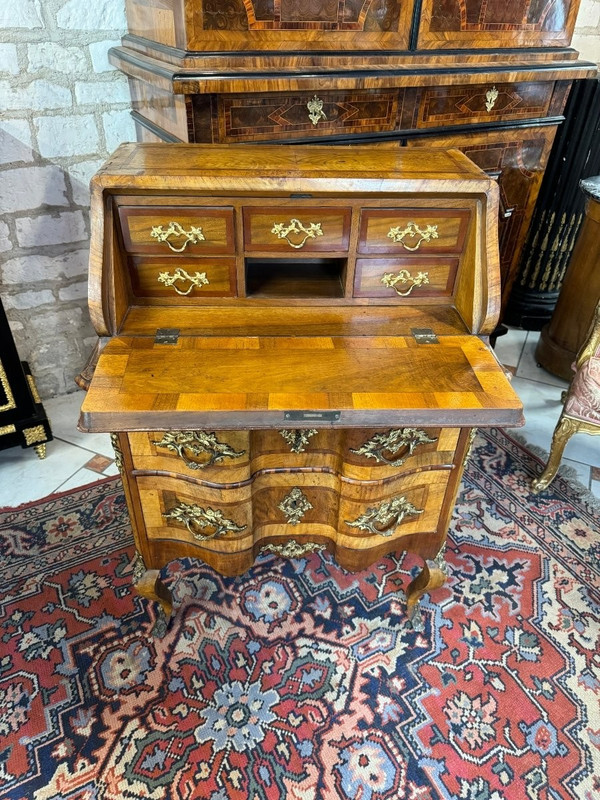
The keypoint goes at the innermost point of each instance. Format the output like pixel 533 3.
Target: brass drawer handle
pixel 294 226
pixel 197 519
pixel 199 279
pixel 385 518
pixel 389 279
pixel 198 443
pixel 193 236
pixel 392 442
pixel 292 548
pixel 298 439
pixel 413 231
pixel 315 110
pixel 294 506
pixel 490 98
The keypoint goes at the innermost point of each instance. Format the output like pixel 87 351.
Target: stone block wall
pixel 64 110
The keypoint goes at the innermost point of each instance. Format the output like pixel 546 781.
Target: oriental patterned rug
pixel 299 681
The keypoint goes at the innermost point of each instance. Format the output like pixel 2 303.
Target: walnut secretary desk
pixel 292 349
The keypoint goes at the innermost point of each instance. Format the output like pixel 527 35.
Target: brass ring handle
pixel 193 236
pixel 392 442
pixel 412 231
pixel 315 110
pixel 383 520
pixel 199 280
pixel 294 226
pixel 389 279
pixel 198 443
pixel 195 518
pixel 490 98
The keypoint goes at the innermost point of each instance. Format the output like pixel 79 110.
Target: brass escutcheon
pixel 199 279
pixel 490 98
pixel 198 443
pixel 315 110
pixel 196 519
pixel 295 505
pixel 282 231
pixel 298 439
pixel 391 442
pixel 387 516
pixel 412 231
pixel 193 236
pixel 389 279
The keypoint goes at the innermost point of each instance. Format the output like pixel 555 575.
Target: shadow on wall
pixel 44 243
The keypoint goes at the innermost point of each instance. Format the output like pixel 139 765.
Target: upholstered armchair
pixel 581 412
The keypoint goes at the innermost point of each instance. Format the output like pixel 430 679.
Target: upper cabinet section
pixel 450 24
pixel 276 25
pixel 352 25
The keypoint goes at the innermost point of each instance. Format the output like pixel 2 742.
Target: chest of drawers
pixel 292 349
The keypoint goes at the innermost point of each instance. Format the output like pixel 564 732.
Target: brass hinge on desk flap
pixel 424 336
pixel 166 336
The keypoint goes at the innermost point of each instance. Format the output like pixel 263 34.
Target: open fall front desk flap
pixel 262 381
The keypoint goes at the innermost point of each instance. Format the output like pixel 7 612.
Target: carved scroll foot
pixel 149 585
pixel 432 576
pixel 565 428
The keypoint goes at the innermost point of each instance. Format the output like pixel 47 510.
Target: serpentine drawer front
pixel 292 352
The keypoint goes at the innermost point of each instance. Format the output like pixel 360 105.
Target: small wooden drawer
pixel 405 278
pixel 221 457
pixel 172 230
pixel 215 519
pixel 292 503
pixel 412 230
pixel 486 102
pixel 372 514
pixel 375 453
pixel 295 449
pixel 295 230
pixel 255 117
pixel 183 278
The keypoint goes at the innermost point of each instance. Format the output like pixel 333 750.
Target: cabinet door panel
pixel 477 23
pixel 517 159
pixel 298 24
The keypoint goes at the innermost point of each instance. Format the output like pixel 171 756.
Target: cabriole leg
pixel 148 583
pixel 432 576
pixel 565 428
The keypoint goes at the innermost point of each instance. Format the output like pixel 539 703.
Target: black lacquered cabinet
pixel 23 420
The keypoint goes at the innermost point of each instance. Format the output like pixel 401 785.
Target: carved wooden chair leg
pixel 565 428
pixel 432 576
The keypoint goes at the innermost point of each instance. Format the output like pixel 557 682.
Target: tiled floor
pixel 75 459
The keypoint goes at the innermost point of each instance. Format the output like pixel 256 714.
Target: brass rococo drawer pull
pixel 385 518
pixel 193 236
pixel 389 279
pixel 198 443
pixel 315 110
pixel 294 226
pixel 292 548
pixel 392 442
pixel 199 280
pixel 197 519
pixel 412 231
